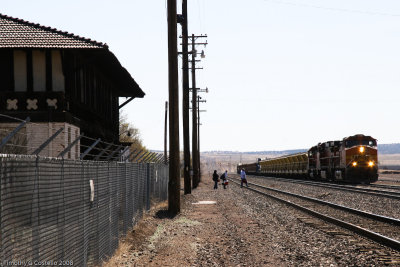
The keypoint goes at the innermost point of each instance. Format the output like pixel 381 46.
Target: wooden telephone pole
pixel 174 173
pixel 185 100
pixel 195 143
pixel 194 117
pixel 165 133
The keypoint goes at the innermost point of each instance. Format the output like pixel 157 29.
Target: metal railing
pixel 75 211
pixel 24 137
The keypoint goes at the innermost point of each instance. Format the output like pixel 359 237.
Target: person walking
pixel 224 178
pixel 243 178
pixel 215 179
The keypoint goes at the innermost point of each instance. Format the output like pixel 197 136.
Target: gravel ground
pixel 386 229
pixel 242 228
pixel 389 179
pixel 378 205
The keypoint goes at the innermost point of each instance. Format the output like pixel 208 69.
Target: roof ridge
pixel 54 30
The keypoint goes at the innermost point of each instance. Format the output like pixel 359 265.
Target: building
pixel 59 79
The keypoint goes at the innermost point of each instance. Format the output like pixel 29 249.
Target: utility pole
pixel 195 150
pixel 198 136
pixel 198 131
pixel 185 100
pixel 194 116
pixel 174 174
pixel 165 132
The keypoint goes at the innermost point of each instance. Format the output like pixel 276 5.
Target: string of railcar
pixel 353 159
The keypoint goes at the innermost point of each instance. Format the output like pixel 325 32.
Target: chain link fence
pixel 72 213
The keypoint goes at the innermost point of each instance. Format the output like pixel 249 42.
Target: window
pixel 58 82
pixel 39 70
pixel 20 72
pixel 351 143
pixel 6 70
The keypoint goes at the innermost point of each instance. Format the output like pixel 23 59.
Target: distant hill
pixel 382 148
pixel 389 149
pixel 271 152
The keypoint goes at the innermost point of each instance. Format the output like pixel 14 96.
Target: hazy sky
pixel 281 74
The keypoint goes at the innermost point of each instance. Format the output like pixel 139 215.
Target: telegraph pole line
pixel 185 100
pixel 198 131
pixel 174 173
pixel 195 151
pixel 194 116
pixel 198 137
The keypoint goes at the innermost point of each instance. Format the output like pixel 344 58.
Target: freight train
pixel 353 159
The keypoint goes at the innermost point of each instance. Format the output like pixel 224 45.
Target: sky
pixel 281 74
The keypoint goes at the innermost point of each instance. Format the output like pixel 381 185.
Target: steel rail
pixel 377 217
pixel 383 193
pixel 389 180
pixel 381 239
pixel 393 187
pixel 373 192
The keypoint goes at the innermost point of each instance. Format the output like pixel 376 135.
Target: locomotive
pixel 353 159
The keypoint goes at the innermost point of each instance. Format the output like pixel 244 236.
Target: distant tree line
pixel 130 134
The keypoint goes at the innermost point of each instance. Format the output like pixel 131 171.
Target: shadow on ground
pixel 164 214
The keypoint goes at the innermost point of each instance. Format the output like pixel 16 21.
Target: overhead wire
pixel 333 8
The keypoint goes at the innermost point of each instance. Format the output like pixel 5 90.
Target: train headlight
pixel 362 149
pixel 371 163
pixel 354 163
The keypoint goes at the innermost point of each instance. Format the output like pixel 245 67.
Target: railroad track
pixel 389 180
pixel 369 191
pixel 392 187
pixel 381 229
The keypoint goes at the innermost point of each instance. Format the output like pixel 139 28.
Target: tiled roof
pixel 16 32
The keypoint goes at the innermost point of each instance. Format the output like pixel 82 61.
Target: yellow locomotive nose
pixel 362 149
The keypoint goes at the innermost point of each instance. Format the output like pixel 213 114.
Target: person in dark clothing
pixel 243 178
pixel 215 179
pixel 224 178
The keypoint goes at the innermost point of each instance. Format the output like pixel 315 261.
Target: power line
pixel 334 8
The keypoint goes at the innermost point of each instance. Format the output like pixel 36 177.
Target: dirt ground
pixel 209 231
pixel 226 227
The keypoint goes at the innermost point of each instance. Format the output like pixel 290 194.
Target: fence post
pixel 35 214
pixel 61 155
pixel 1 214
pixel 89 148
pixel 102 152
pixel 121 155
pixel 148 187
pixel 112 154
pixel 61 212
pixel 51 138
pixel 8 137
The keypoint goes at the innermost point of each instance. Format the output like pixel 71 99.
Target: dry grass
pixel 123 249
pixel 137 237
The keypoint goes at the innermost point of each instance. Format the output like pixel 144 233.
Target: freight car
pixel 353 159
